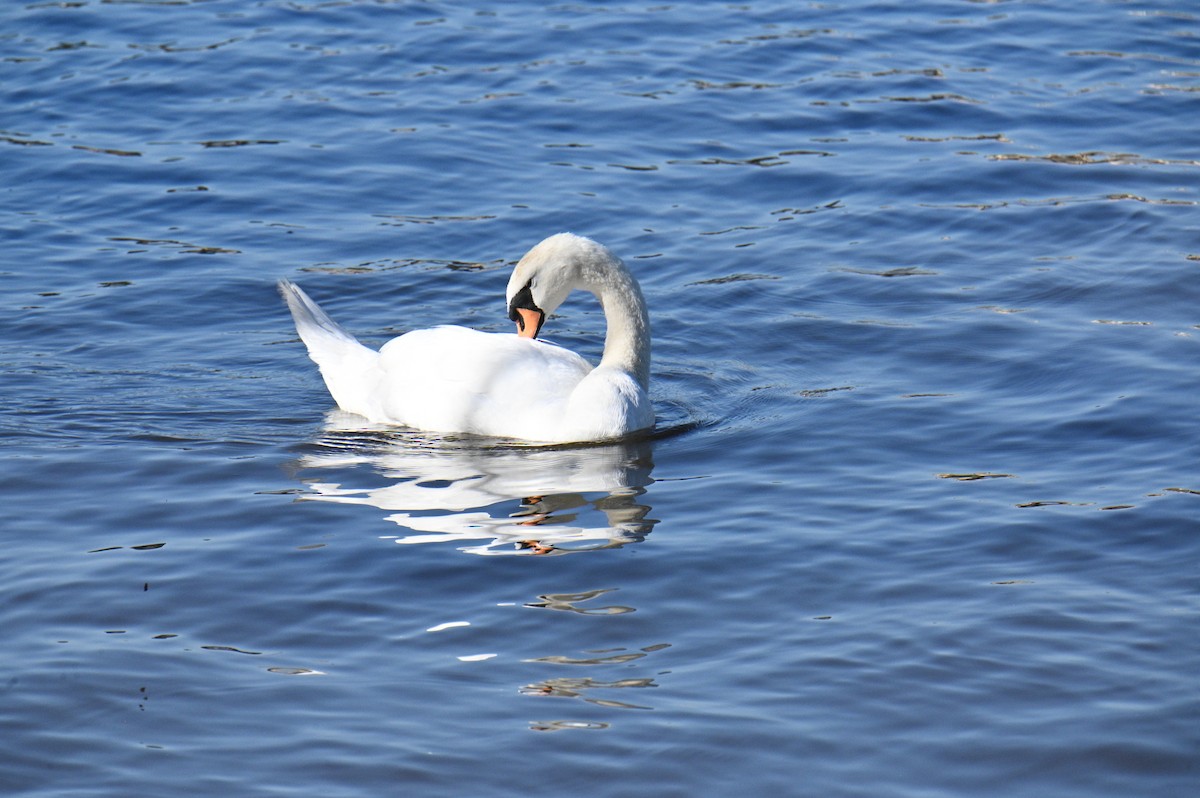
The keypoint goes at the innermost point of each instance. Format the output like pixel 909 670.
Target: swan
pixel 455 379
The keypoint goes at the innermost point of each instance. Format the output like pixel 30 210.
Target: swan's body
pixel 454 379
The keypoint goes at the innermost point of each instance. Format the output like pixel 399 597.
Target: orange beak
pixel 528 323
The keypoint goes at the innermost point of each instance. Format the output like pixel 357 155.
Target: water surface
pixel 920 515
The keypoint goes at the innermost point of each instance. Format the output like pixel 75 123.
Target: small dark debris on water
pixel 810 393
pixel 232 650
pixel 974 477
pixel 141 547
pixel 736 278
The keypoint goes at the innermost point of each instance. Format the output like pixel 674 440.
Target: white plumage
pixel 455 379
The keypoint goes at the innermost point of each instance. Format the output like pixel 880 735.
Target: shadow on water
pixel 490 496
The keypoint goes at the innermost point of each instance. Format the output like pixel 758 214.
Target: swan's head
pixel 547 273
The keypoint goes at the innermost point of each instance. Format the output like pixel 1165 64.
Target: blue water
pixel 922 514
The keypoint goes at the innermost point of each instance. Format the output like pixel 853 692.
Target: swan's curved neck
pixel 627 342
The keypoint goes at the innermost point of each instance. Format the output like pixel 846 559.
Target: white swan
pixel 454 379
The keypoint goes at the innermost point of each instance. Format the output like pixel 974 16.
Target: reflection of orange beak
pixel 527 325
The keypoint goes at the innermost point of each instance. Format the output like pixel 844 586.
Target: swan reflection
pixel 492 497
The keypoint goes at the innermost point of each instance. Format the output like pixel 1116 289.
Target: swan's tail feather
pixel 351 370
pixel 313 324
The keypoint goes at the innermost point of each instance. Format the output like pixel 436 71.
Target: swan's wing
pixel 458 379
